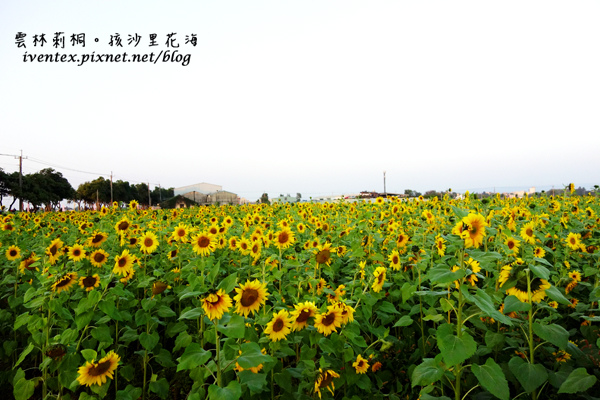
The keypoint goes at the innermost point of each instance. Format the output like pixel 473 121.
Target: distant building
pixel 204 188
pixel 222 197
pixel 286 199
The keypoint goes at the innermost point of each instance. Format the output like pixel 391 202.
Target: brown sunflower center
pixel 89 281
pixel 99 257
pixel 52 250
pixel 63 281
pixel 283 237
pixel 181 232
pixel 249 297
pixel 395 259
pixel 13 253
pixel 380 278
pixel 100 368
pixel 76 253
pixel 329 319
pixel 148 242
pixel 323 256
pixel 122 262
pixel 529 232
pixel 123 225
pixel 303 316
pixel 327 379
pixel 28 262
pixel 203 242
pixel 97 239
pixel 278 325
pixel 511 245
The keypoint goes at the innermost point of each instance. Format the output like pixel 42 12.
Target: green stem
pixel 219 377
pixel 530 312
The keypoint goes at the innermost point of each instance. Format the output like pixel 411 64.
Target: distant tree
pixel 123 192
pixel 411 193
pixel 141 190
pixel 98 189
pixel 161 194
pixel 264 199
pixel 432 193
pixel 5 185
pixel 298 197
pixel 52 188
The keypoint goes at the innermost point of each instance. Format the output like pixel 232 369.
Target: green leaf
pixel 255 382
pixel 21 320
pixel 455 349
pixel 252 356
pixel 182 340
pixel 459 212
pixel 387 307
pixel 234 328
pixel 284 380
pixel 512 303
pixel 166 312
pixel 444 276
pixel 553 333
pixel 192 357
pixel 492 378
pixel 212 275
pixel 428 372
pixel 540 271
pixel 229 283
pixel 485 304
pixel 578 381
pixel 192 314
pixel 89 354
pixel 404 321
pixel 233 391
pixel 24 354
pixel 494 340
pixel 160 387
pixel 557 296
pixel 408 291
pixel 23 389
pixel 531 376
pixel 149 341
pixel 102 334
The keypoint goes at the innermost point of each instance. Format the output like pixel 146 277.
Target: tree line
pixel 46 189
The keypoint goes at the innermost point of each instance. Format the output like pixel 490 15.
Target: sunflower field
pixel 391 299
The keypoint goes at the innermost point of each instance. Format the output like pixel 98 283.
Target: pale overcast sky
pixel 315 96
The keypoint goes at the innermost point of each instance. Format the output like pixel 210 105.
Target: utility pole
pixel 149 198
pixel 111 191
pixel 384 191
pixel 21 181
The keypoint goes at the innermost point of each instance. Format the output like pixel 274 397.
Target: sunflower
pixel 65 282
pixel 538 290
pixel 323 254
pixel 180 233
pixel 133 205
pixel 52 251
pixel 346 311
pixel 95 373
pixel 402 239
pixel 325 381
pixel 475 268
pixel 575 275
pixel 394 259
pixel 216 304
pixel 204 244
pixel 440 245
pixel 573 240
pixel 13 253
pixel 244 246
pixel 360 365
pixel 96 239
pixel 284 238
pixel 128 276
pixel 513 245
pixel 280 326
pixel 527 233
pixel 255 250
pixel 148 242
pixel 123 263
pixel 539 252
pixel 302 313
pixel 473 230
pixel 250 296
pixel 329 321
pixel 158 287
pixel 123 225
pixel 98 257
pixel 76 252
pixel 89 282
pixel 379 275
pixel 28 263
